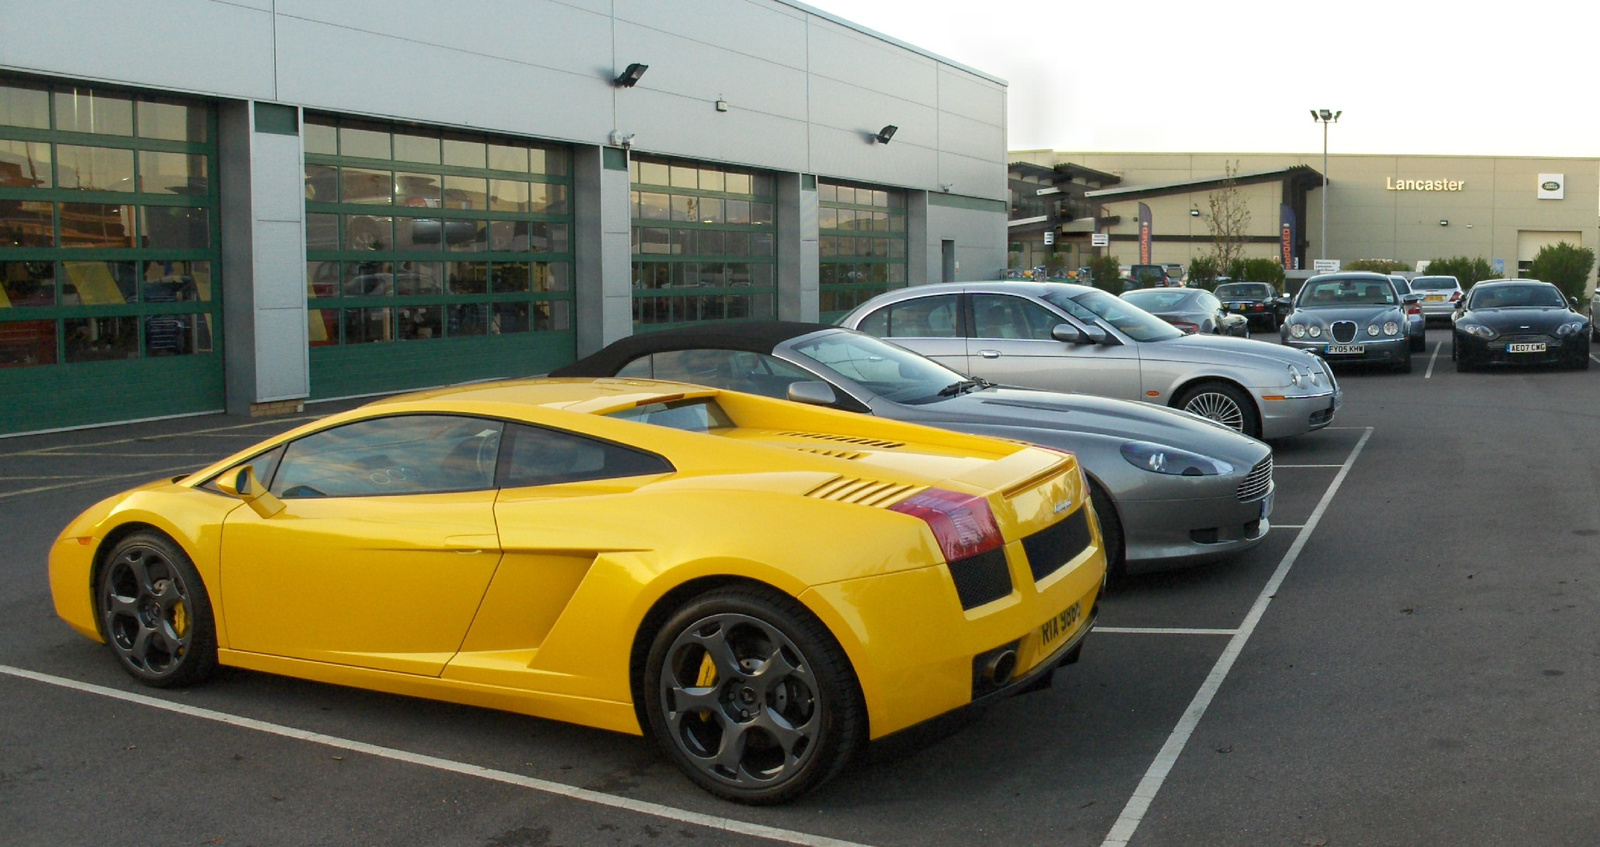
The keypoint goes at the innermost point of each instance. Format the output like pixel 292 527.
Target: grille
pixel 1057 545
pixel 845 439
pixel 864 492
pixel 1343 332
pixel 981 579
pixel 1258 482
pixel 1525 338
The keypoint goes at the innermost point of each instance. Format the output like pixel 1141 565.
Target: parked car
pixel 1519 322
pixel 1257 301
pixel 1065 337
pixel 731 574
pixel 1439 295
pixel 1351 317
pixel 1169 488
pixel 1193 310
pixel 1416 323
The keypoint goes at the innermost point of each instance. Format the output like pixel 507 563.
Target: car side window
pixel 924 317
pixel 1208 302
pixel 734 370
pixel 1005 316
pixel 404 454
pixel 536 455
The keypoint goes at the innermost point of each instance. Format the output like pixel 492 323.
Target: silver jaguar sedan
pixel 1065 337
pixel 1351 317
pixel 1169 488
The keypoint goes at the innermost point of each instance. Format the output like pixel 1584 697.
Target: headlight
pixel 1391 328
pixel 1295 377
pixel 1315 331
pixel 1160 459
pixel 1569 329
pixel 1372 329
pixel 1297 330
pixel 1479 330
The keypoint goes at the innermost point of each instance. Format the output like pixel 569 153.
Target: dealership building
pixel 1404 208
pixel 310 201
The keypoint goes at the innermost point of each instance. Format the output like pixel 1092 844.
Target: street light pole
pixel 1325 117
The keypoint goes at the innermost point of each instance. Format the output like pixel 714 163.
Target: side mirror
pixel 812 393
pixel 244 485
pixel 1408 299
pixel 1068 334
pixel 1574 302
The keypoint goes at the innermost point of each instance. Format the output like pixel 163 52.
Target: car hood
pixel 1225 350
pixel 1512 321
pixel 1360 314
pixel 1061 417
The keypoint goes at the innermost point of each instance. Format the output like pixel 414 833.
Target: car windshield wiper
pixel 965 385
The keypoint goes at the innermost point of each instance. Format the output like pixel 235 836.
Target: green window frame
pixel 861 241
pixel 704 243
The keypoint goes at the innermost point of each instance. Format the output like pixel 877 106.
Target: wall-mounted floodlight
pixel 886 133
pixel 1443 222
pixel 1194 212
pixel 631 76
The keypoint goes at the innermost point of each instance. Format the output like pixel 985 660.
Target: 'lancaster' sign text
pixel 1424 184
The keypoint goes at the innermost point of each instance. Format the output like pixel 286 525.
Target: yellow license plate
pixel 1056 628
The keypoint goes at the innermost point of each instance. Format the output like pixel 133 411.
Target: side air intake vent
pixel 864 492
pixel 845 439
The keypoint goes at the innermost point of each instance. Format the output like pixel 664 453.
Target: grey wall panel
pixel 847 155
pixel 840 53
pixel 773 32
pixel 279 190
pixel 699 71
pixel 280 266
pixel 973 177
pixel 226 50
pixel 967 137
pixel 406 80
pixel 864 111
pixel 670 125
pixel 539 33
pixel 283 368
pixel 980 239
pixel 972 97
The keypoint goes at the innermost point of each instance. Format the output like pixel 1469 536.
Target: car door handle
pixel 989 354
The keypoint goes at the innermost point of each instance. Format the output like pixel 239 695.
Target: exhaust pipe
pixel 1001 667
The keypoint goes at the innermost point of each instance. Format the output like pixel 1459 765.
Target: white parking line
pixel 56 451
pixel 1133 813
pixel 152 474
pixel 1432 359
pixel 1288 526
pixel 1166 630
pixel 542 785
pixel 1278 467
pixel 1596 358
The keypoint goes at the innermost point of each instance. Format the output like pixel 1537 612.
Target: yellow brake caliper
pixel 180 619
pixel 706 679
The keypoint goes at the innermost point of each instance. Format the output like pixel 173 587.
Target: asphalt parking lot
pixel 1408 659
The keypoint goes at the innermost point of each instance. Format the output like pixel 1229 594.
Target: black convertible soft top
pixel 750 336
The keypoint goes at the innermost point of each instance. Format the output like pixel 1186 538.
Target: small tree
pixel 1262 270
pixel 1106 271
pixel 1055 264
pixel 1564 264
pixel 1381 266
pixel 1228 217
pixel 1466 271
pixel 1203 273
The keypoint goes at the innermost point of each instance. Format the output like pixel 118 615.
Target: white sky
pixel 1239 76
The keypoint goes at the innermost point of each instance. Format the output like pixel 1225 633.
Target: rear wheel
pixel 751 697
pixel 154 612
pixel 1110 530
pixel 1224 403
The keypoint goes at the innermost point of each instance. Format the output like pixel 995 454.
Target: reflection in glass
pixel 465 154
pixel 368 232
pixel 359 185
pixel 24 164
pixel 172 121
pixel 177 335
pixel 368 279
pixel 25 284
pixel 550 276
pixel 470 319
pixel 363 142
pixel 323 329
pixel 364 326
pixel 552 315
pixel 101 339
pixel 322 279
pixel 420 323
pixel 94 168
pixel 418 233
pixel 175 227
pixel 96 225
pixel 506 158
pixel 26 223
pixel 509 317
pixel 99 283
pixel 654 173
pixel 418 190
pixel 510 278
pixel 26 343
pixel 738 183
pixel 463 236
pixel 654 207
pixel 322 184
pixel 549 198
pixel 24 105
pixel 320 138
pixel 416 148
pixel 177 282
pixel 552 162
pixel 172 173
pixel 322 232
pixel 413 278
pixel 86 110
pixel 467 277
pixel 508 195
pixel 761 214
pixel 466 192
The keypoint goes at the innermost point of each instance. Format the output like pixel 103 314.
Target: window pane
pixel 552 162
pixel 738 183
pixel 684 177
pixel 26 223
pixel 322 184
pixel 417 234
pixel 466 192
pixel 177 335
pixel 712 180
pixel 466 236
pixel 173 173
pixel 467 277
pixel 761 214
pixel 323 327
pixel 363 142
pixel 465 154
pixel 359 185
pixel 368 232
pixel 94 168
pixel 99 283
pixel 96 225
pixel 177 282
pixel 321 138
pixel 414 278
pixel 417 190
pixel 654 207
pixel 469 319
pixel 364 326
pixel 368 279
pixel 421 323
pixel 409 454
pixel 101 339
pixel 322 279
pixel 322 232
pixel 26 343
pixel 508 195
pixel 547 198
pixel 510 278
pixel 24 284
pixel 552 316
pixel 550 276
pixel 85 110
pixel 509 318
pixel 24 105
pixel 175 227
pixel 24 164
pixel 416 148
pixel 172 121
pixel 507 158
pixel 654 173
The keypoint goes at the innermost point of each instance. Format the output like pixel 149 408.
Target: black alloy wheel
pixel 751 697
pixel 155 613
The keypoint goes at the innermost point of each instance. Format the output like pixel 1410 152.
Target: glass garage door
pixel 110 294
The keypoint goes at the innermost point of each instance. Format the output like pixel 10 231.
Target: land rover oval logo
pixel 1551 185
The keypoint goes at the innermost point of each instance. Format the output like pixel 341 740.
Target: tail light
pixel 1414 309
pixel 1454 296
pixel 963 524
pixel 1187 327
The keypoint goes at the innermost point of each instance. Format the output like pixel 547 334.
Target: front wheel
pixel 1110 530
pixel 155 613
pixel 751 697
pixel 1224 403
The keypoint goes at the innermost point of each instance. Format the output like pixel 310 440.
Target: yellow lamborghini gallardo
pixel 762 586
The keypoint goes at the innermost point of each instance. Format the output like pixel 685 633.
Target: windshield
pixel 1128 319
pixel 1347 292
pixel 1159 299
pixel 894 373
pixel 1244 289
pixel 1433 283
pixel 1514 296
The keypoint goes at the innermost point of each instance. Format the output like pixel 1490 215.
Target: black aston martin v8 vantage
pixel 1516 322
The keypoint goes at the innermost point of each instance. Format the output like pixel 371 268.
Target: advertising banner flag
pixel 1286 235
pixel 1144 234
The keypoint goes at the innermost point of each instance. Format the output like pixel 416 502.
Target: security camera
pixel 619 139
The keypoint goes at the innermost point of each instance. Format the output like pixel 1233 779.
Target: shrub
pixel 1466 271
pixel 1056 264
pixel 1258 270
pixel 1381 266
pixel 1203 273
pixel 1564 264
pixel 1106 272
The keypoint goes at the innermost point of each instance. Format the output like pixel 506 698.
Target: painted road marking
pixel 1133 813
pixel 150 474
pixel 1432 359
pixel 56 451
pixel 448 765
pixel 1276 467
pixel 1162 630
